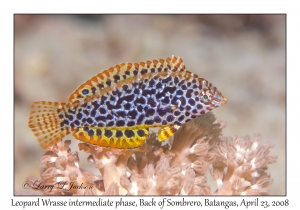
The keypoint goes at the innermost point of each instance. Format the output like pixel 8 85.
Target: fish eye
pixel 85 91
pixel 205 97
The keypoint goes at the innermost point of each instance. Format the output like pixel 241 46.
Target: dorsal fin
pixel 111 76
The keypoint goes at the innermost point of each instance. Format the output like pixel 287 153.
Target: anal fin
pixel 121 137
pixel 167 131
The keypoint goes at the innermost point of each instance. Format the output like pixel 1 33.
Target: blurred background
pixel 243 55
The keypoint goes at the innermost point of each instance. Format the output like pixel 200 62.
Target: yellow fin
pixel 122 137
pixel 111 76
pixel 167 131
pixel 45 123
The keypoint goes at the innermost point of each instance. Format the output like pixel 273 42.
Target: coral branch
pixel 179 167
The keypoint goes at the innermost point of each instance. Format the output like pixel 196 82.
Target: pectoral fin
pixel 167 132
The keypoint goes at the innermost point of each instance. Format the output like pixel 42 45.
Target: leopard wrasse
pixel 117 107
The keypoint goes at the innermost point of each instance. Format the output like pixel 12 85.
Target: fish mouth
pixel 219 99
pixel 223 101
pixel 219 102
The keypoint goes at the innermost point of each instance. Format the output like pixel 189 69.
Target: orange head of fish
pixel 211 97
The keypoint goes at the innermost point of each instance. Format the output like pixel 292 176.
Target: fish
pixel 117 107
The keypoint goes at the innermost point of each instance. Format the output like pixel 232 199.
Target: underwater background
pixel 244 56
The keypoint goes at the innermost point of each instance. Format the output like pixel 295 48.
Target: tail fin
pixel 44 122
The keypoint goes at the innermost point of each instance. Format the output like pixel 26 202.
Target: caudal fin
pixel 45 123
